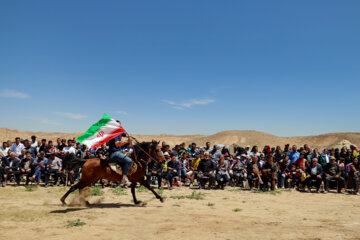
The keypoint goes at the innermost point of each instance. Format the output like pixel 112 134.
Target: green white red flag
pixel 101 132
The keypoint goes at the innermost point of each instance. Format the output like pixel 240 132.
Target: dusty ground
pixel 227 214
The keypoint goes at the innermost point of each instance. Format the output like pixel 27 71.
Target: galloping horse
pixel 95 169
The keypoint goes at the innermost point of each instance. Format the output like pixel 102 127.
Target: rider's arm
pixel 120 143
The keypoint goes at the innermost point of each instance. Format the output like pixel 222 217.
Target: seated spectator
pixel 238 171
pixel 156 171
pixel 301 165
pixel 285 168
pixel 268 173
pixel 354 176
pixel 194 164
pixel 54 167
pixel 293 179
pixel 206 171
pixel 254 173
pixel 26 166
pixel 222 174
pixel 12 168
pixel 173 169
pixel 332 172
pixel 314 174
pixel 184 166
pixel 40 165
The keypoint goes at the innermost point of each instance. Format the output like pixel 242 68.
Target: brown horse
pixel 95 169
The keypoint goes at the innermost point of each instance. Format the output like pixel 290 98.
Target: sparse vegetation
pixel 193 195
pixel 119 191
pixel 96 191
pixel 142 189
pixel 270 192
pixel 75 223
pixel 30 188
pixel 211 204
pixel 237 210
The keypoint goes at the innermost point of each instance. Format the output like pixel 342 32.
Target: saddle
pixel 117 169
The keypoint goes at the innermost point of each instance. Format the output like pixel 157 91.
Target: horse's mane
pixel 70 161
pixel 139 147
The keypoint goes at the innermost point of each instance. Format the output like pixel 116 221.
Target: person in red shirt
pixel 301 165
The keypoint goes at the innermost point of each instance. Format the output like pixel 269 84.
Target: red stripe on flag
pixel 112 135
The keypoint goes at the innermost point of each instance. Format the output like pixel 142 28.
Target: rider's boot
pixel 125 181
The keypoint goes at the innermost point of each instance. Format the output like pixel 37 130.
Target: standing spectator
pixel 69 148
pixel 222 174
pixel 17 147
pixel 255 151
pixel 4 150
pixel 43 146
pixel 294 154
pixel 207 147
pixel 332 172
pixel 324 157
pixel 314 173
pixel 215 152
pixel 34 146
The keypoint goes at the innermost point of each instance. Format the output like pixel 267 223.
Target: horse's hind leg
pixel 145 184
pixel 73 188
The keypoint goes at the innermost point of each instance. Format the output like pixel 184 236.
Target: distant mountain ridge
pixel 237 137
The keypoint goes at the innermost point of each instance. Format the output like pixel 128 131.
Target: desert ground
pixel 36 213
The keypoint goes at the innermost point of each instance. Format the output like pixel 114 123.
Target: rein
pixel 141 150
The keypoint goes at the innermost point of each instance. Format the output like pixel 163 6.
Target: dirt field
pixel 227 214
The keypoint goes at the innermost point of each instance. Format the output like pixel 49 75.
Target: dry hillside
pixel 238 137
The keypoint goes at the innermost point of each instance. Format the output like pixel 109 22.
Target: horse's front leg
pixel 145 184
pixel 136 202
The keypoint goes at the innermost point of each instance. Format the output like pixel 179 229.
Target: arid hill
pixel 238 137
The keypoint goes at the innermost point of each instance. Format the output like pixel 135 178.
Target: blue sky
pixel 288 68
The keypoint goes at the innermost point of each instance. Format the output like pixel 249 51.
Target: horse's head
pixel 155 151
pixel 150 150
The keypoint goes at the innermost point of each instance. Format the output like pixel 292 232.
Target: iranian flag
pixel 101 132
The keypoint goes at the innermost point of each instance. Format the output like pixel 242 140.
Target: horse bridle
pixel 141 150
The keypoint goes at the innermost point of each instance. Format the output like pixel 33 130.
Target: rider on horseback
pixel 115 152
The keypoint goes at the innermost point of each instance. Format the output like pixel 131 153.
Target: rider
pixel 115 152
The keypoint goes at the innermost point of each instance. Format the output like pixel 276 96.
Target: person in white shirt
pixel 17 147
pixel 69 148
pixel 4 150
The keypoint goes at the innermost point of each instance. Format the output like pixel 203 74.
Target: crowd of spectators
pixel 209 167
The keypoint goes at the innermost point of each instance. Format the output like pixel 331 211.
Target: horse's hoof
pixel 138 202
pixel 63 202
pixel 162 200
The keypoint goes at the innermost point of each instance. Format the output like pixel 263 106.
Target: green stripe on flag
pixel 94 128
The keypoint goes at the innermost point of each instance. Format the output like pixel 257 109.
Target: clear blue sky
pixel 284 67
